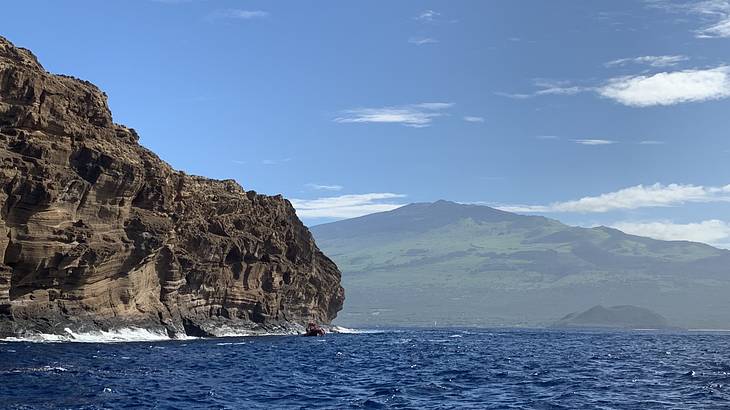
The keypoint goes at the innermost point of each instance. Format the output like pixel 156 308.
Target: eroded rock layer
pixel 97 232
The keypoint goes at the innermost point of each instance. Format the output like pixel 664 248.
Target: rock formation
pixel 97 232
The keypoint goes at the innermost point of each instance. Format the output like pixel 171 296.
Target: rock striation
pixel 97 232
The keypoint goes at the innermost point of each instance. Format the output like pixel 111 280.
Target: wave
pixel 227 331
pixel 135 334
pixel 44 369
pixel 121 335
pixel 347 330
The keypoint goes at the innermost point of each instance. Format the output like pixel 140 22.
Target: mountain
pixel 98 233
pixel 475 265
pixel 626 316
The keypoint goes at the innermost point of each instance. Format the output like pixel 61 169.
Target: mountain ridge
pixel 441 202
pixel 512 269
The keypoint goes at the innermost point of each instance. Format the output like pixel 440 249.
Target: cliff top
pixel 18 55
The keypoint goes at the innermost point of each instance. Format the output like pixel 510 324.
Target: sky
pixel 591 112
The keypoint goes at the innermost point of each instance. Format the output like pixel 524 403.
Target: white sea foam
pixel 37 338
pixel 346 330
pixel 119 335
pixel 43 369
pixel 134 334
pixel 99 336
pixel 227 331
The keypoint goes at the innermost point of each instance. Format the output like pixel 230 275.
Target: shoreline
pixel 139 334
pixel 135 334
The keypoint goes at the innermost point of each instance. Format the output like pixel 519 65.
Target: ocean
pixel 406 368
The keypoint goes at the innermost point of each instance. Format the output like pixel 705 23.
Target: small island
pixel 614 317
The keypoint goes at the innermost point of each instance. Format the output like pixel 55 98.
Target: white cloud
pixel 274 161
pixel 320 187
pixel 415 115
pixel 715 14
pixel 562 90
pixel 346 206
pixel 598 141
pixel 669 88
pixel 419 41
pixel 238 14
pixel 516 96
pixel 434 105
pixel 718 30
pixel 427 16
pixel 654 61
pixel 548 87
pixel 473 119
pixel 713 232
pixel 665 88
pixel 718 13
pixel 640 196
pixel 595 142
pixel 551 87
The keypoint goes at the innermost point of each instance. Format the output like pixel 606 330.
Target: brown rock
pixel 97 232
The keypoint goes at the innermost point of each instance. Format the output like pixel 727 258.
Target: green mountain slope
pixel 474 265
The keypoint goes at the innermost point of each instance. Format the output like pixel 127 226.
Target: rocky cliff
pixel 96 232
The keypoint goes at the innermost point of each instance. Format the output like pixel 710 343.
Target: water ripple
pixel 404 369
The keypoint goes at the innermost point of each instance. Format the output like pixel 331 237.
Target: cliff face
pixel 97 232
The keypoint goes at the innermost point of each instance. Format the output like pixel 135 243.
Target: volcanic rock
pixel 97 232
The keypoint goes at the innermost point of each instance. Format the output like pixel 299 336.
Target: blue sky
pixel 591 112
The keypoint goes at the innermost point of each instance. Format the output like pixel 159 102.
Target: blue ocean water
pixel 441 369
